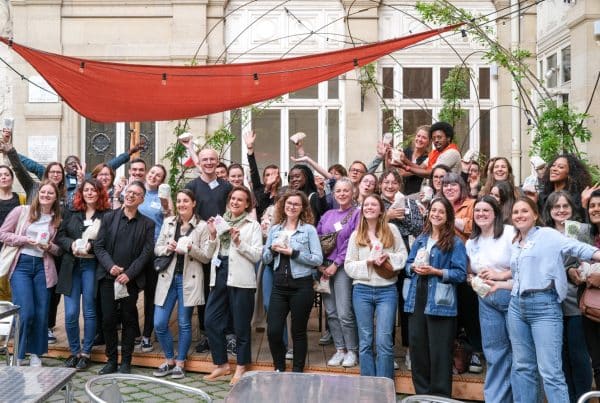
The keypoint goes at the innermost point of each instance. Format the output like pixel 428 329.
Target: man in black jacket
pixel 124 247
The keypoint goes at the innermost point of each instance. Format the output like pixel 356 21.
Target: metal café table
pixel 8 309
pixel 29 384
pixel 293 387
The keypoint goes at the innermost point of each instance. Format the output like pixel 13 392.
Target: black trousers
pixel 431 341
pixel 591 330
pixel 468 315
pixel 226 302
pixel 109 320
pixel 295 297
pixel 149 292
pixel 202 308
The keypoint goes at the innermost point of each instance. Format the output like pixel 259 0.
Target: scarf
pixel 233 222
pixel 434 154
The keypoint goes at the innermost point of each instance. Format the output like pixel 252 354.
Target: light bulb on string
pixel 463 33
pixel 256 81
pixel 81 67
pixel 164 79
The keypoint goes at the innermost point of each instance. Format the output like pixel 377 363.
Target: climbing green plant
pixel 454 89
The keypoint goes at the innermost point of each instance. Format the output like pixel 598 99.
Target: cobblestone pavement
pixel 136 391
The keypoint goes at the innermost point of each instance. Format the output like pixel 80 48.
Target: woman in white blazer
pixel 238 246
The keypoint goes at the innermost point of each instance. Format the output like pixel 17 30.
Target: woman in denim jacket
pixel 294 248
pixel 437 262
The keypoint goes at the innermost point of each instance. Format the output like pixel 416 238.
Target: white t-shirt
pixel 491 253
pixel 34 231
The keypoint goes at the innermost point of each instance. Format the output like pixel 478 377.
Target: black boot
pixel 109 368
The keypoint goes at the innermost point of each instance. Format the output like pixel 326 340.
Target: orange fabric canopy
pixel 117 92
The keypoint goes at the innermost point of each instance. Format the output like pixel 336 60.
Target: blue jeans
pixel 340 316
pixel 370 302
pixel 535 327
pixel 576 360
pixel 184 321
pixel 493 310
pixel 29 291
pixel 83 284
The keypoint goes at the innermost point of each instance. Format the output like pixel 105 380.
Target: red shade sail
pixel 117 92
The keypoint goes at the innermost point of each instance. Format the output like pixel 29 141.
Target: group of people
pixel 454 249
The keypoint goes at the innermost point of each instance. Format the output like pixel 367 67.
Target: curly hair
pixel 446 237
pixel 382 229
pixel 577 179
pixel 101 205
pixel 306 215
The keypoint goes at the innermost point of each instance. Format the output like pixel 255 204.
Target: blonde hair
pixel 382 229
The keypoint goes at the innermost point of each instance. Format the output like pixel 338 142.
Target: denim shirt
pixel 539 262
pixel 454 268
pixel 305 241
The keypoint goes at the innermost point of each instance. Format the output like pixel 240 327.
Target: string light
pixel 164 79
pixel 255 76
pixel 81 67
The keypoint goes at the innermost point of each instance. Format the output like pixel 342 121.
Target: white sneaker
pixel 34 361
pixel 396 365
pixel 407 361
pixel 337 359
pixel 349 359
pixel 289 355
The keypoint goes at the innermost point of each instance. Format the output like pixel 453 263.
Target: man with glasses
pixel 124 247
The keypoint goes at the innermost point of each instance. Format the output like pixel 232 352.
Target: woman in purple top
pixel 338 304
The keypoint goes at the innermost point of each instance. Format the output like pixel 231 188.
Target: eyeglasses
pixel 357 170
pixel 132 193
pixel 290 204
pixel 557 207
pixel 54 172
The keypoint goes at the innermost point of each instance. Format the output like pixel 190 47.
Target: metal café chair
pixel 587 396
pixel 8 325
pixel 109 391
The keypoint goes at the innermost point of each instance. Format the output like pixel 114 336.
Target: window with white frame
pixel 316 111
pixel 412 98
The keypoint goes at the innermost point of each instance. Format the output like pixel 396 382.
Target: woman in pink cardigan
pixel 33 271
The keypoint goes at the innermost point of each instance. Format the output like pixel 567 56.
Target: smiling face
pixel 71 165
pixel 483 215
pixel 561 210
pixel 208 161
pixel 389 187
pixel 185 205
pixel 47 196
pixel 594 210
pixel 236 176
pixel 440 140
pixel 500 170
pixel 55 174
pixel 90 194
pixel 474 173
pixel 343 194
pixel 422 140
pixel 6 179
pixel 559 171
pixel 134 196
pixel 436 178
pixel 137 171
pixel 297 179
pixel 293 207
pixel 451 191
pixel 155 177
pixel 437 214
pixel 105 177
pixel 356 172
pixel 371 208
pixel 238 203
pixel 221 172
pixel 495 193
pixel 523 216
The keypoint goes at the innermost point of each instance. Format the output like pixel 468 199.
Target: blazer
pixel 71 229
pixel 142 246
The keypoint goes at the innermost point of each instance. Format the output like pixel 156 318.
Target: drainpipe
pixel 515 154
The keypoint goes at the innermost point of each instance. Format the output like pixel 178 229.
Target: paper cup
pixel 164 191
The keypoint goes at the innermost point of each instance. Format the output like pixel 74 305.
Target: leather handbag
pixel 328 241
pixel 589 303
